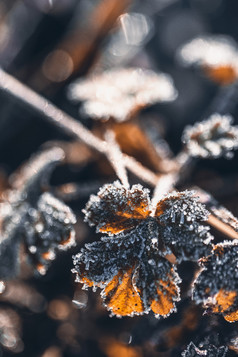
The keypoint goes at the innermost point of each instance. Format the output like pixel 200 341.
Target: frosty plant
pixel 135 262
pixel 33 218
pixel 132 265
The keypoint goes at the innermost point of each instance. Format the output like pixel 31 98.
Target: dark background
pixel 29 31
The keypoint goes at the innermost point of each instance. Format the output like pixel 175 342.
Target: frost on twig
pixel 221 218
pixel 130 265
pixel 217 284
pixel 209 351
pixel 120 93
pixel 217 55
pixel 37 220
pixel 211 138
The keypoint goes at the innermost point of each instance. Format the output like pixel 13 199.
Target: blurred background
pixel 47 44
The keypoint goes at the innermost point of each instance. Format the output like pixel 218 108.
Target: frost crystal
pixel 130 265
pixel 211 138
pixel 217 284
pixel 119 93
pixel 210 351
pixel 39 221
pixel 217 55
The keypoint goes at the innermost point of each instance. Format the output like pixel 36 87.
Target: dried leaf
pixel 217 284
pixel 115 208
pixel 211 138
pixel 38 221
pixel 130 265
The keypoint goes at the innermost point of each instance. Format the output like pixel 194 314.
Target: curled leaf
pixel 47 228
pixel 217 284
pixel 36 220
pixel 115 208
pixel 211 138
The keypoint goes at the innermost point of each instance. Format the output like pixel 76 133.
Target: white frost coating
pixel 118 92
pixel 211 51
pixel 211 138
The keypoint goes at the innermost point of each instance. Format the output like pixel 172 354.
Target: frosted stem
pixel 52 114
pixel 116 159
pixel 164 185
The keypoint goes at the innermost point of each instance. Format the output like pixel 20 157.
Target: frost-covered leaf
pixel 47 228
pixel 217 284
pixel 38 221
pixel 135 278
pixel 133 257
pixel 211 138
pixel 217 55
pixel 115 208
pixel 187 242
pixel 181 208
pixel 209 351
pixel 119 93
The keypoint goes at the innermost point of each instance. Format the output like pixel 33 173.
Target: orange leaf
pixel 224 75
pixel 121 297
pixel 167 293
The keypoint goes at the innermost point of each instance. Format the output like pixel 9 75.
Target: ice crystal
pixel 37 220
pixel 130 265
pixel 209 351
pixel 217 55
pixel 217 284
pixel 119 93
pixel 211 138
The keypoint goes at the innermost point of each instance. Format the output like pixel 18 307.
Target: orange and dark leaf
pixel 130 265
pixel 34 219
pixel 211 138
pixel 217 284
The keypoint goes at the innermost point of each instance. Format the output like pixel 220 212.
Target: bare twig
pixel 220 218
pixel 52 114
pixel 115 157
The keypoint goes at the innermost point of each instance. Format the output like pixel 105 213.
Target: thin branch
pixel 220 218
pixel 115 157
pixel 164 185
pixel 52 114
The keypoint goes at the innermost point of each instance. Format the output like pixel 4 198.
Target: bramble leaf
pixel 217 284
pixel 115 208
pixel 131 265
pixel 39 222
pixel 211 138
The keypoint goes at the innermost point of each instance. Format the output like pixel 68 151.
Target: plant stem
pixel 55 116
